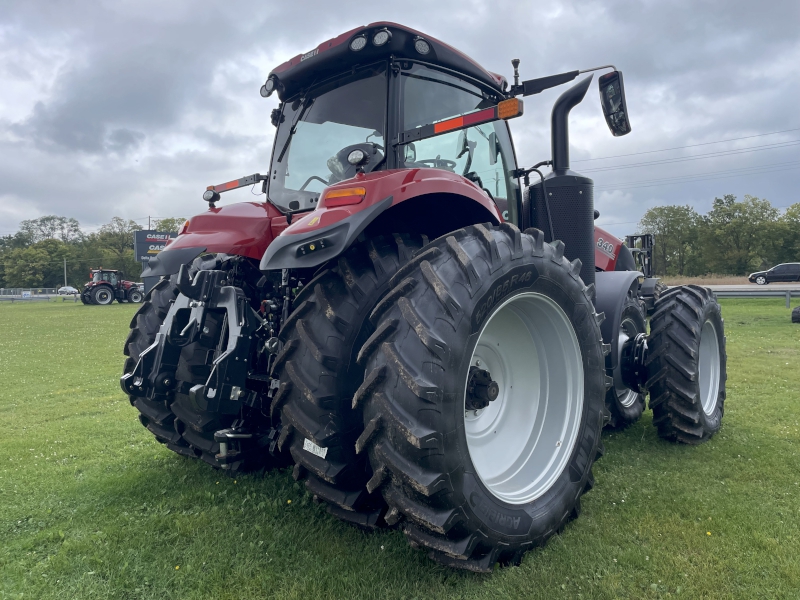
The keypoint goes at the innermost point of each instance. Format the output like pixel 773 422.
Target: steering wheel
pixel 438 163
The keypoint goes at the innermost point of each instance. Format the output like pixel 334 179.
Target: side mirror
pixel 612 99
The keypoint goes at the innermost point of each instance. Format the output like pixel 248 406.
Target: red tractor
pixel 434 340
pixel 105 285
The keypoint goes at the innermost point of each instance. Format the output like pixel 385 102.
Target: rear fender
pixel 242 229
pixel 612 288
pixel 326 232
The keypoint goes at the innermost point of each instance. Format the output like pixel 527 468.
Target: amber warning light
pixel 507 109
pixel 342 197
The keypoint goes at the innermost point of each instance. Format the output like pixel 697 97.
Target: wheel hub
pixel 480 389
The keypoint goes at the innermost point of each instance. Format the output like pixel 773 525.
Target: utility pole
pixel 65 271
pixel 148 222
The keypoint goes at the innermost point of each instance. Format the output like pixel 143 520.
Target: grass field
pixel 92 507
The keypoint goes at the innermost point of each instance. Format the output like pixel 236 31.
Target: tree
pixel 741 236
pixel 171 224
pixel 51 227
pixel 38 265
pixel 790 221
pixel 674 229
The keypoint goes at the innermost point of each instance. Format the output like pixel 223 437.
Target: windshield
pixel 335 119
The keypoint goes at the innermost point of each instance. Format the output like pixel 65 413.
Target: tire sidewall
pixel 711 312
pixel 538 518
pixel 634 411
pixel 100 290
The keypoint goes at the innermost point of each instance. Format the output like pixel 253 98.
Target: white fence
pixel 27 291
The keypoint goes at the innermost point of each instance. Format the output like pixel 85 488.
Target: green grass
pixel 92 507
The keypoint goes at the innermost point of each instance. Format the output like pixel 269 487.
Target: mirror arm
pixel 535 86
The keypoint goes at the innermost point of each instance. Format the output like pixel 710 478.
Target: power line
pixel 687 179
pixel 754 168
pixel 690 146
pixel 718 154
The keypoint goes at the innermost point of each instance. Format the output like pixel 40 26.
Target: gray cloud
pixel 132 108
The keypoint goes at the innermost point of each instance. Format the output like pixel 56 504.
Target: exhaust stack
pixel 559 123
pixel 569 199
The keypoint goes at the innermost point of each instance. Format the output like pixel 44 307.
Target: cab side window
pixel 481 153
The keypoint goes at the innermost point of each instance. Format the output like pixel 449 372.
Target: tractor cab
pixel 108 276
pixel 360 121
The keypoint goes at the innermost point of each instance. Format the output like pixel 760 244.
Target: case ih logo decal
pixel 308 55
pixel 606 248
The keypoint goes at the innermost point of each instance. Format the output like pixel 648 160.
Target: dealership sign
pixel 147 244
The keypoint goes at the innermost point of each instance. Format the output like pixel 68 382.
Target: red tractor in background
pixel 106 285
pixel 434 341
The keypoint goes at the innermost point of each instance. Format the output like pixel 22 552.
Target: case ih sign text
pixel 147 244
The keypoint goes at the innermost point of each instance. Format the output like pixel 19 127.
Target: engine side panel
pixel 607 250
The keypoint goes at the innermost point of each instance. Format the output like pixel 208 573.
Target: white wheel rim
pixel 521 442
pixel 627 329
pixel 103 297
pixel 708 367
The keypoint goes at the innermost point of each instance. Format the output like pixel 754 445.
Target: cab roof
pixel 335 56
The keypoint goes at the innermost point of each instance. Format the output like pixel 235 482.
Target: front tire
pixel 625 406
pixel 471 496
pixel 135 296
pixel 687 365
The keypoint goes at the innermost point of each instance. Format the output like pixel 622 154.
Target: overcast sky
pixel 132 107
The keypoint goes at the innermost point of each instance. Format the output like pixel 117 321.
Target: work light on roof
pixel 358 43
pixel 421 46
pixel 268 87
pixel 381 37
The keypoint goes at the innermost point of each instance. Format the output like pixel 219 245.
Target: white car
pixel 66 290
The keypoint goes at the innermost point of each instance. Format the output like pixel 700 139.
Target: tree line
pixel 34 256
pixel 733 238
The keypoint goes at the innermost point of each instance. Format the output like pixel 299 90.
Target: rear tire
pixel 102 295
pixel 687 365
pixel 319 373
pixel 470 498
pixel 796 314
pixel 624 405
pixel 156 415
